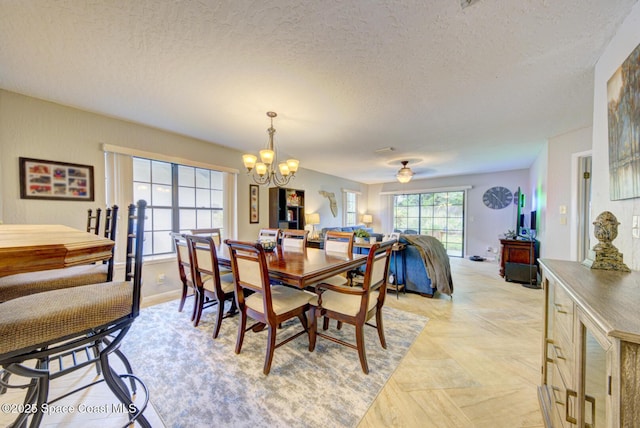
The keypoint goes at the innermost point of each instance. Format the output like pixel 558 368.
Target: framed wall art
pixel 43 179
pixel 623 93
pixel 254 203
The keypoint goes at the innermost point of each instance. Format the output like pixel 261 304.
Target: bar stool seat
pixel 31 321
pixel 24 284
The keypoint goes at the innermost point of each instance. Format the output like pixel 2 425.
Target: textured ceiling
pixel 454 90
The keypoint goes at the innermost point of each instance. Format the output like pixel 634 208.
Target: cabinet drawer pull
pixel 568 418
pixel 559 309
pixel 558 354
pixel 555 396
pixel 592 400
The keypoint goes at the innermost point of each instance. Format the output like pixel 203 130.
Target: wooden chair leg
pixel 195 306
pixel 271 345
pixel 242 325
pixel 380 328
pixel 183 298
pixel 216 329
pixel 312 329
pixel 339 324
pixel 325 323
pixel 200 303
pixel 303 320
pixel 361 352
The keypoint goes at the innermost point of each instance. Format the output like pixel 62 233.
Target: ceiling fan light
pixel 404 174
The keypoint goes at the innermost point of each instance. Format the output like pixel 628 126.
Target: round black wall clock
pixel 497 197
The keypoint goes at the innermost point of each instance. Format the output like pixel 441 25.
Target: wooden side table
pixel 315 243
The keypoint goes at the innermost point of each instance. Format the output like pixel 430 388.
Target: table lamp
pixel 313 219
pixel 367 219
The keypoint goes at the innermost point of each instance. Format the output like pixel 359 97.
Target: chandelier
pixel 264 172
pixel 404 174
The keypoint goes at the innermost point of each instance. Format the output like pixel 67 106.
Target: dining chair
pixel 48 335
pixel 267 304
pixel 354 305
pixel 23 284
pixel 338 243
pixel 216 235
pixel 184 272
pixel 211 288
pixel 214 232
pixel 269 235
pixel 93 221
pixel 294 239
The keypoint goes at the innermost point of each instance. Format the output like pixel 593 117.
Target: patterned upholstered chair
pixel 80 325
pixel 355 305
pixel 23 284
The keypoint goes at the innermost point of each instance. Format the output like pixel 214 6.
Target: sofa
pixel 427 268
pixel 415 275
pixel 379 236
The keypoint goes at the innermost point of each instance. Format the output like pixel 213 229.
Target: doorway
pixel 584 206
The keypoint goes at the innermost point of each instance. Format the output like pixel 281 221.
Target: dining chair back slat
pixel 269 235
pixel 294 239
pixel 215 233
pixel 338 242
pixel 93 221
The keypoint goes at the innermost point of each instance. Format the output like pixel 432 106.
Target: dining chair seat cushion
pixel 336 280
pixel 284 299
pixel 226 283
pixel 23 284
pixel 347 304
pixel 30 321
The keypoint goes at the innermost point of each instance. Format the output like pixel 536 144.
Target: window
pixel 439 214
pixel 350 208
pixel 179 198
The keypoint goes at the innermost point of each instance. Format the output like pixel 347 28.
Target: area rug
pixel 195 380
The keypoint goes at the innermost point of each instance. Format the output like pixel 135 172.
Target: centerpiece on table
pixel 361 235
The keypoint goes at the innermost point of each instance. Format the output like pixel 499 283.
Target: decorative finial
pixel 607 256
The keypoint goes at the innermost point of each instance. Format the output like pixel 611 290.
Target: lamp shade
pixel 313 218
pixel 367 218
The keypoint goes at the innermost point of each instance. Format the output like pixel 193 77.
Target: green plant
pixel 510 234
pixel 361 233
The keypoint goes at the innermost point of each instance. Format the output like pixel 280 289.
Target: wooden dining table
pixel 35 247
pixel 301 268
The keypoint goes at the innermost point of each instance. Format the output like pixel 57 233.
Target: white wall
pixel 485 226
pixel 625 41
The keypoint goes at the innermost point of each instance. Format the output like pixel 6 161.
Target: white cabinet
pixel 591 347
